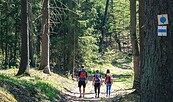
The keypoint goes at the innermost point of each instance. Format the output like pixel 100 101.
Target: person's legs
pixel 79 85
pixel 95 88
pixel 80 91
pixel 83 92
pixel 109 88
pixel 98 89
pixel 84 85
pixel 106 89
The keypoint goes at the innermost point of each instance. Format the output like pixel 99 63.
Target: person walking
pixel 108 82
pixel 82 80
pixel 97 79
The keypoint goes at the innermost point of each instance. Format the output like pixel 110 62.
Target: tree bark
pixel 103 29
pixel 74 49
pixel 141 31
pixel 31 41
pixel 24 62
pixel 45 39
pixel 134 42
pixel 157 66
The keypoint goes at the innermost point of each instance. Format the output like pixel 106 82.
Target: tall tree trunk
pixel 1 39
pixel 157 66
pixel 6 43
pixel 6 56
pixel 134 42
pixel 24 62
pixel 38 41
pixel 141 31
pixel 103 29
pixel 74 49
pixel 31 41
pixel 15 43
pixel 45 39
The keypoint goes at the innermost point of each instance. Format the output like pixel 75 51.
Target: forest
pixel 46 43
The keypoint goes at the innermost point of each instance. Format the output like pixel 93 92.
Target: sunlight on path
pixel 73 95
pixel 89 95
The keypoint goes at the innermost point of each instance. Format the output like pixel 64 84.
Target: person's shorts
pixel 97 84
pixel 82 83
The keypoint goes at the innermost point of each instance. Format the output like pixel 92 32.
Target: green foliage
pixel 10 17
pixel 41 89
pixel 125 77
pixel 122 60
pixel 75 30
pixel 109 55
pixel 88 49
pixel 47 89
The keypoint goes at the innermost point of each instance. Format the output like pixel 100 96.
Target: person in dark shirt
pixel 82 80
pixel 97 79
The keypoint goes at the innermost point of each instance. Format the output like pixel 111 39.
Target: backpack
pixel 108 78
pixel 97 78
pixel 83 74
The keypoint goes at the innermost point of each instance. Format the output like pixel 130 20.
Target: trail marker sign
pixel 162 19
pixel 162 30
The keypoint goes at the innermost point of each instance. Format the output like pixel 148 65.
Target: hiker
pixel 82 80
pixel 97 79
pixel 108 82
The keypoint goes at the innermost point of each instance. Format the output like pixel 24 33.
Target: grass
pixel 43 87
pixel 39 85
pixel 6 97
pixel 123 78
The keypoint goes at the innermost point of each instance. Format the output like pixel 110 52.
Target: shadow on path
pixel 90 97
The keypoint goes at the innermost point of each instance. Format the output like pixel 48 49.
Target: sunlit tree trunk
pixel 45 39
pixel 134 42
pixel 24 62
pixel 157 65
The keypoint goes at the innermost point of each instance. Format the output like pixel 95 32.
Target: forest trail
pixel 60 88
pixel 73 95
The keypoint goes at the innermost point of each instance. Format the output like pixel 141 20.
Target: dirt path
pixel 73 95
pixel 89 96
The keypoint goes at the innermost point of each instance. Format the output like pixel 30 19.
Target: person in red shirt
pixel 108 82
pixel 82 80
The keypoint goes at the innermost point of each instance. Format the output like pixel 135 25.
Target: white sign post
pixel 162 30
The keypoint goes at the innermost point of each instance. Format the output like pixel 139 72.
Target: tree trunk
pixel 74 49
pixel 141 31
pixel 24 62
pixel 1 39
pixel 31 41
pixel 45 39
pixel 157 66
pixel 38 41
pixel 6 56
pixel 15 43
pixel 103 29
pixel 134 42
